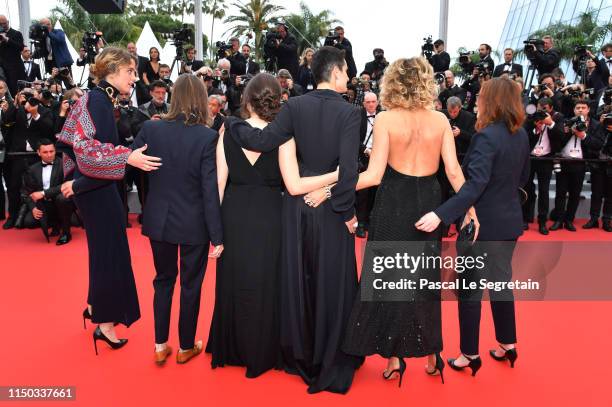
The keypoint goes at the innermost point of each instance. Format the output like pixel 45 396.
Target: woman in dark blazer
pixel 496 166
pixel 183 213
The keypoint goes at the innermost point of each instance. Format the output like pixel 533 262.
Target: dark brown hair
pixel 262 95
pixel 500 101
pixel 189 100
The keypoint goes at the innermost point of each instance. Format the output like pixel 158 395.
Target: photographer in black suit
pixel 183 213
pixel 440 61
pixel 545 59
pixel 601 179
pixel 42 190
pixel 377 67
pixel 345 45
pixel 484 52
pixel 11 45
pixel 508 67
pixel 29 122
pixel 595 74
pixel 580 140
pixel 545 131
pixel 286 50
pixel 252 67
pixel 450 89
pixel 364 201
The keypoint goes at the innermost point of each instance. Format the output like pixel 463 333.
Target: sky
pixel 397 27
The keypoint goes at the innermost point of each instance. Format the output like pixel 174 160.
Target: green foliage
pixel 310 29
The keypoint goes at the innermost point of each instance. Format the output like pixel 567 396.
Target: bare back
pixel 415 140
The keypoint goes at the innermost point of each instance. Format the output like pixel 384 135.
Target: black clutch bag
pixel 465 239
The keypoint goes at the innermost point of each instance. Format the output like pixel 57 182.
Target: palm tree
pixel 254 16
pixel 217 11
pixel 588 31
pixel 310 28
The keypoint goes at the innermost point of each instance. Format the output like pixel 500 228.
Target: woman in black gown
pixel 151 71
pixel 409 139
pixel 245 325
pixel 91 140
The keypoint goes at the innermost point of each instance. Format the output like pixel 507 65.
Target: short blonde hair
pixel 109 61
pixel 409 84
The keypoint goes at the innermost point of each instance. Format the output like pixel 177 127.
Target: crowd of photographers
pixel 568 124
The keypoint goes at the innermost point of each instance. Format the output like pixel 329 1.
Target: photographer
pixel 508 67
pixel 142 93
pixel 364 201
pixel 580 140
pixel 43 198
pixel 4 131
pixel 164 76
pixel 377 67
pixel 53 48
pixel 542 54
pixel 593 72
pixel 190 64
pixel 449 89
pixel 11 45
pixel 305 78
pixel 237 60
pixel 601 179
pixel 339 41
pixel 440 61
pixel 157 107
pixel 462 124
pixel 285 49
pixel 286 81
pixel 252 67
pixel 545 130
pixel 30 123
pixel 606 60
pixel 486 62
pixel 546 88
pixel 69 99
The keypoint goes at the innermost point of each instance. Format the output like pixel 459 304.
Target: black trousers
pixel 601 188
pixel 193 265
pixel 569 180
pixel 58 211
pixel 16 168
pixel 498 268
pixel 543 170
pixel 364 203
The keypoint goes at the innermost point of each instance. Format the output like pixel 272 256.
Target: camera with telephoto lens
pixel 576 122
pixel 465 58
pixel 331 39
pixel 533 46
pixel 534 114
pixel 439 78
pixel 580 52
pixel 223 49
pixel 483 68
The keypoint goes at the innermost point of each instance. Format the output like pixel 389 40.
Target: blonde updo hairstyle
pixel 408 84
pixel 108 62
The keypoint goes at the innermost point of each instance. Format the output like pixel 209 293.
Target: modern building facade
pixel 527 16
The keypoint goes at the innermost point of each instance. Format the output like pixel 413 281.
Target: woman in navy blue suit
pixel 496 166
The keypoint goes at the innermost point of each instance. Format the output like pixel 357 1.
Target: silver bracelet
pixel 328 191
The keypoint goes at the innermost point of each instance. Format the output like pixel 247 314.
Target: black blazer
pixel 546 62
pixel 592 144
pixel 10 59
pixel 555 135
pixel 465 121
pixel 34 72
pixel 38 129
pixel 183 202
pixel 496 166
pixel 515 69
pixel 253 67
pixel 32 181
pixel 440 62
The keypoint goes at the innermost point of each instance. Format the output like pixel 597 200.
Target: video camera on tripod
pixel 224 50
pixel 332 39
pixel 38 36
pixel 427 49
pixel 180 37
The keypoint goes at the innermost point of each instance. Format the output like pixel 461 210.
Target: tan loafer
pixel 161 356
pixel 184 357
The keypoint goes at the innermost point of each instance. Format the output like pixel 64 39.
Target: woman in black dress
pixel 304 77
pixel 151 72
pixel 409 139
pixel 90 140
pixel 245 325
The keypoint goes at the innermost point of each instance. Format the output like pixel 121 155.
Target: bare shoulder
pixel 438 116
pixel 384 117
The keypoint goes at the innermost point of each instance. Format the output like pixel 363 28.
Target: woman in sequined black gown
pixel 409 139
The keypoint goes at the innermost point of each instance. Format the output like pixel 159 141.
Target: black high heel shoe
pixel 475 364
pixel 509 354
pixel 98 335
pixel 87 315
pixel 439 368
pixel 400 371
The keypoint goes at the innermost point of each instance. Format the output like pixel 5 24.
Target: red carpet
pixel 564 347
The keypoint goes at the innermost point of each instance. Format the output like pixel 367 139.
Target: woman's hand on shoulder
pixel 145 162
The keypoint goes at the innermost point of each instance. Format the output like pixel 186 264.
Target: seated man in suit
pixel 508 67
pixel 42 190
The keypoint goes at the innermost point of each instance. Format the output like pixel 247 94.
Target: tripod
pixel 531 72
pixel 177 58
